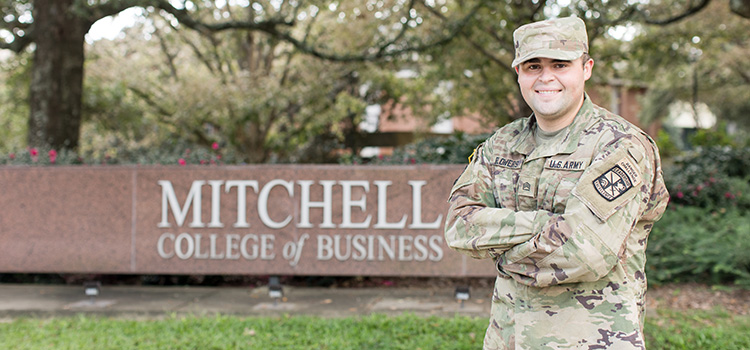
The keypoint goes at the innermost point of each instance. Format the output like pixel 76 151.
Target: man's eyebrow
pixel 538 60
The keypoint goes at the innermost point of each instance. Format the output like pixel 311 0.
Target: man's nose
pixel 547 74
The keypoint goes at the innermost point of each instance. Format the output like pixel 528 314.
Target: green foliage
pixel 713 137
pixel 15 74
pixel 667 147
pixel 713 177
pixel 167 154
pixel 705 330
pixel 703 58
pixel 453 149
pixel 705 232
pixel 695 244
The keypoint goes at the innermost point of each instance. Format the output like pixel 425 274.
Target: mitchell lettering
pixel 194 202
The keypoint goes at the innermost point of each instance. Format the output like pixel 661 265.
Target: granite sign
pixel 297 220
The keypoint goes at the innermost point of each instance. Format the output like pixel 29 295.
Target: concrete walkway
pixel 32 300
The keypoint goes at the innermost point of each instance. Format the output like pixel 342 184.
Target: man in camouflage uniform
pixel 563 202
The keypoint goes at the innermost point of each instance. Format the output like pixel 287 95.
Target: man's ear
pixel 587 69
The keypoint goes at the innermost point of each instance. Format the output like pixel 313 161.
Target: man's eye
pixel 533 67
pixel 561 65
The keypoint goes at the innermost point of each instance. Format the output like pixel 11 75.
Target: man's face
pixel 554 89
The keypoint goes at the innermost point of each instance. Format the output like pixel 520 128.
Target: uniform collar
pixel 565 142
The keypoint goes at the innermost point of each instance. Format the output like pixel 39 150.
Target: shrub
pixel 715 177
pixel 176 154
pixel 695 244
pixel 453 149
pixel 713 137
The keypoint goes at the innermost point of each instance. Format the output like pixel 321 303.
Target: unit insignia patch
pixel 613 183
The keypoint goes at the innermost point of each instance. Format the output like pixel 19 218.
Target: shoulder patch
pixel 609 184
pixel 617 180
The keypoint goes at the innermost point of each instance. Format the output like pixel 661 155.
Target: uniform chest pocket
pixel 559 177
pixel 505 180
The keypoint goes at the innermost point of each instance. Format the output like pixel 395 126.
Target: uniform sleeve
pixel 585 241
pixel 474 225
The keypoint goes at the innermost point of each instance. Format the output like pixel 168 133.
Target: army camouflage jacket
pixel 566 225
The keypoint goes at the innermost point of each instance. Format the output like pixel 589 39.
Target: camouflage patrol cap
pixel 559 38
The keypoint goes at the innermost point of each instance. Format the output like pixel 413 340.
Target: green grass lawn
pixel 669 330
pixel 704 330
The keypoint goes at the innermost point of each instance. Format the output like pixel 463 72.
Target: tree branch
pixel 146 97
pixel 272 28
pixel 476 45
pixel 19 43
pixel 195 49
pixel 95 12
pixel 169 57
pixel 691 10
pixel 402 32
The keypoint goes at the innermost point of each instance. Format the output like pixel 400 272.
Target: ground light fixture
pixel 92 289
pixel 275 290
pixel 462 294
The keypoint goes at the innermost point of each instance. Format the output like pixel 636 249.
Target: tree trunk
pixel 57 75
pixel 740 7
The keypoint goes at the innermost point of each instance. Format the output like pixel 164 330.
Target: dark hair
pixel 585 57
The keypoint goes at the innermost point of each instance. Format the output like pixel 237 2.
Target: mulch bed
pixel 693 296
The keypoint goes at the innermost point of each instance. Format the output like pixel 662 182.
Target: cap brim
pixel 548 53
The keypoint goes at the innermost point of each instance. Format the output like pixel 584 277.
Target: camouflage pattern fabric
pixel 566 224
pixel 560 38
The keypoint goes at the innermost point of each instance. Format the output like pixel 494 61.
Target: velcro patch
pixel 609 184
pixel 508 163
pixel 527 187
pixel 567 164
pixel 613 183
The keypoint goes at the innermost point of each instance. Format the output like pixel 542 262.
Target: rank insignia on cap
pixel 613 183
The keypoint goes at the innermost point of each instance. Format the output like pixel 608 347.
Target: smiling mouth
pixel 547 92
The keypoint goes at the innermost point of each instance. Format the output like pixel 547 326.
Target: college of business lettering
pixel 345 246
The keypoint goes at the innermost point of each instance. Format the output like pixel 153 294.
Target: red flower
pixel 12 156
pixel 728 195
pixel 52 156
pixel 34 154
pixel 680 195
pixel 215 146
pixel 181 161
